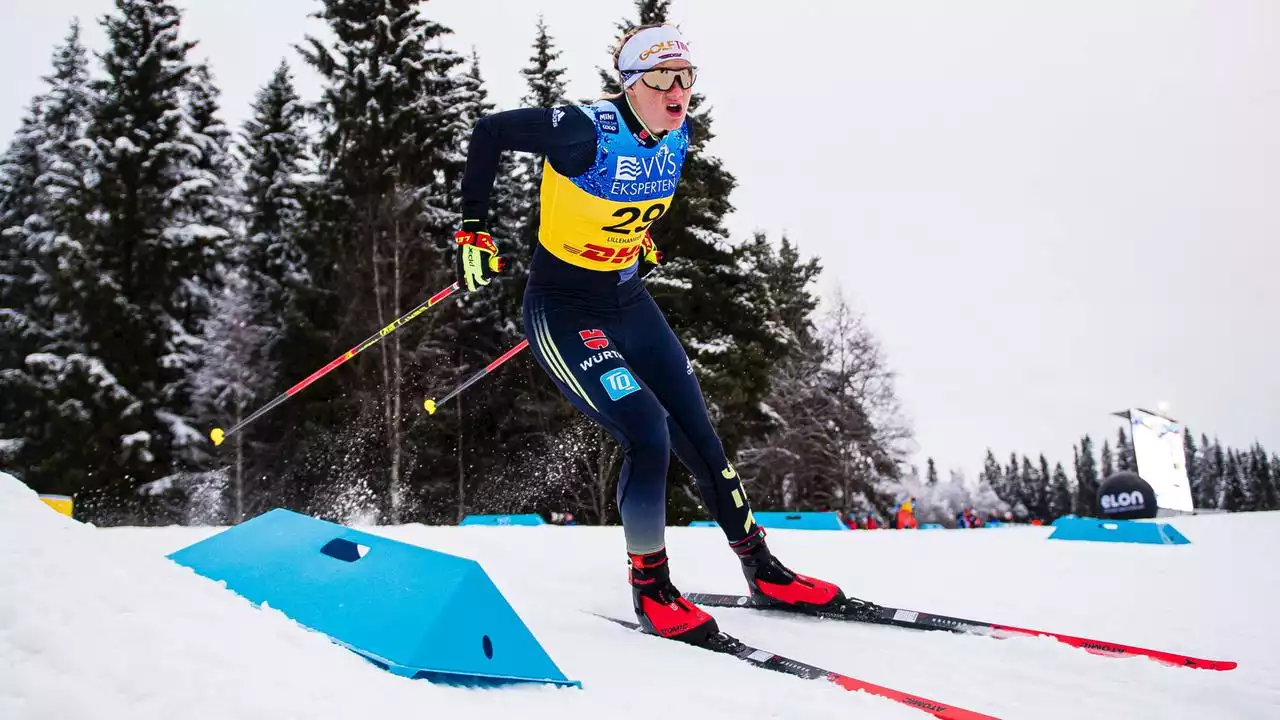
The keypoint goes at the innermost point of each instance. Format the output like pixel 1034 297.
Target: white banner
pixel 1161 456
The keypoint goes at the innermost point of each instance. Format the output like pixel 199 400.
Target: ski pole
pixel 218 435
pixel 431 405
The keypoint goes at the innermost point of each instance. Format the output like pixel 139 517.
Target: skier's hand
pixel 477 260
pixel 650 255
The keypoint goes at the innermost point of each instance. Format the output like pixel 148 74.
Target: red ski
pixel 729 645
pixel 865 612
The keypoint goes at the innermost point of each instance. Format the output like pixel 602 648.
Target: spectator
pixel 870 522
pixel 906 519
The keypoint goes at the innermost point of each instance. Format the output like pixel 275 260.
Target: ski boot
pixel 774 585
pixel 660 609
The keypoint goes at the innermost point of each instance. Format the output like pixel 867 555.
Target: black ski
pixel 861 611
pixel 728 645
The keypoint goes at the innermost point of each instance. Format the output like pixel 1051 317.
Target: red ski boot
pixel 773 584
pixel 659 606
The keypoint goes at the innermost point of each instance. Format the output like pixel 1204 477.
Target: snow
pixel 97 623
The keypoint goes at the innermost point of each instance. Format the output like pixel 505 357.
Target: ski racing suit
pixel 592 325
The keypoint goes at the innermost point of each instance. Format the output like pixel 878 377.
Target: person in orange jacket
pixel 906 515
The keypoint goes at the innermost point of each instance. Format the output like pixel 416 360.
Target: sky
pixel 1046 212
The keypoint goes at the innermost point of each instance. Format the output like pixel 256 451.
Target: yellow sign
pixel 61 503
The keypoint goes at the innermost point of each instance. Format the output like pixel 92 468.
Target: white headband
pixel 650 47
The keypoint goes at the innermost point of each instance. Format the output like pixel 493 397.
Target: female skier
pixel 611 170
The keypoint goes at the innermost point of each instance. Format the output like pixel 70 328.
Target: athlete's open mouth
pixel 675 109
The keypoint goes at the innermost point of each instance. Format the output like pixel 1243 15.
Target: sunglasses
pixel 662 79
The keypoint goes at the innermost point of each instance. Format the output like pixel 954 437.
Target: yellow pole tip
pixel 430 406
pixel 217 435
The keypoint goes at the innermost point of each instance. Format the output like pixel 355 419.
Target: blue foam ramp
pixel 1129 531
pixel 800 520
pixel 413 611
pixel 703 523
pixel 525 519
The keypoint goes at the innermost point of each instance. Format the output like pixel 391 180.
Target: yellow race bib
pixel 597 220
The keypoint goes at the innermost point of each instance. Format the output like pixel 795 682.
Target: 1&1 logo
pixel 619 383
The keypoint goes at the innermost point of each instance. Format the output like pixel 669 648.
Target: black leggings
pixel 611 352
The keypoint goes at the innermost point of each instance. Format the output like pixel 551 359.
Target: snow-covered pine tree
pixel 1268 494
pixel 1195 468
pixel 1043 491
pixel 213 231
pixel 65 418
pixel 391 147
pixel 155 246
pixel 546 88
pixel 278 185
pixel 235 377
pixel 1107 467
pixel 1235 497
pixel 1060 499
pixel 1275 476
pixel 1086 479
pixel 992 475
pixel 1215 470
pixel 1006 484
pixel 832 442
pixel 20 332
pixel 278 175
pixel 931 474
pixel 488 323
pixel 1125 460
pixel 42 214
pixel 253 315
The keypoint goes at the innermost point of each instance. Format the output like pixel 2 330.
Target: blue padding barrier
pixel 412 611
pixel 932 526
pixel 800 520
pixel 994 524
pixel 1129 531
pixel 526 519
pixel 703 523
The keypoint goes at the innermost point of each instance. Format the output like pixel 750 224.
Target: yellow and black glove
pixel 477 260
pixel 650 255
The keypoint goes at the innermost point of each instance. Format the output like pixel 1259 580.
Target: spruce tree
pixel 1217 473
pixel 160 233
pixel 1235 497
pixel 22 329
pixel 1107 467
pixel 544 77
pixel 1043 495
pixel 931 475
pixel 992 475
pixel 258 316
pixel 391 140
pixel 1125 460
pixel 1086 479
pixel 1195 471
pixel 1268 497
pixel 1060 502
pixel 49 384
